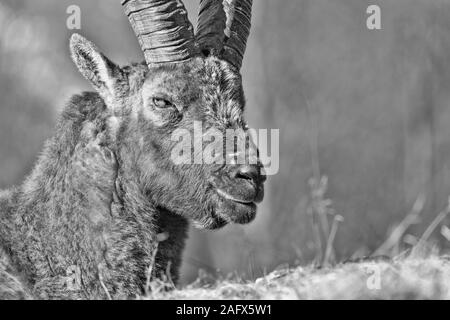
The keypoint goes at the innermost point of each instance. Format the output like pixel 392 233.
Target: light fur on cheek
pixel 113 125
pixel 147 111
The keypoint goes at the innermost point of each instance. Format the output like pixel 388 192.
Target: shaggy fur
pixel 105 188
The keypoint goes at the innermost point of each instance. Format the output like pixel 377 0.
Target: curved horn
pixel 224 27
pixel 163 29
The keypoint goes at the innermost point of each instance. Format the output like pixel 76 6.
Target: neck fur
pixel 82 209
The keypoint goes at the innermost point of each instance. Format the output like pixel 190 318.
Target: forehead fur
pixel 212 85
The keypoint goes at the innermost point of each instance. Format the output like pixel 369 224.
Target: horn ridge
pixel 162 28
pixel 239 15
pixel 211 26
pixel 224 27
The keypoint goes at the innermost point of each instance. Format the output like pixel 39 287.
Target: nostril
pixel 248 173
pixel 240 175
pixel 263 177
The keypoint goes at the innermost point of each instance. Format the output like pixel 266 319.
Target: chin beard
pixel 215 212
pixel 210 223
pixel 227 213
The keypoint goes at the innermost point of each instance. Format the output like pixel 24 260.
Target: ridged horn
pixel 163 29
pixel 223 28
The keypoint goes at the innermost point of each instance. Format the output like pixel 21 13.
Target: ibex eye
pixel 162 103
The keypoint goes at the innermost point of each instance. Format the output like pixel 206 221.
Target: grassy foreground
pixel 398 279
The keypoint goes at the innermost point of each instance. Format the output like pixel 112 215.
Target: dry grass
pixel 417 272
pixel 403 278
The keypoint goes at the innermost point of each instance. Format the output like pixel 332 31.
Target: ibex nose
pixel 250 172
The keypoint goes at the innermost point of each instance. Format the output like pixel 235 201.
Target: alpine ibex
pixel 105 185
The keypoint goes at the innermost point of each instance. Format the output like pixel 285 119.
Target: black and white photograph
pixel 209 151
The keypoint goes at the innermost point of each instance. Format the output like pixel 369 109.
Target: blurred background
pixel 368 109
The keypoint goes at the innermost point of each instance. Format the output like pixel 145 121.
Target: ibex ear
pixel 94 66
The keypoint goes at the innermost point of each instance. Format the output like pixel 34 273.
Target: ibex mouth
pixel 230 197
pixel 235 209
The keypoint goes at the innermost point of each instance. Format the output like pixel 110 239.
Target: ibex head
pixel 187 79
